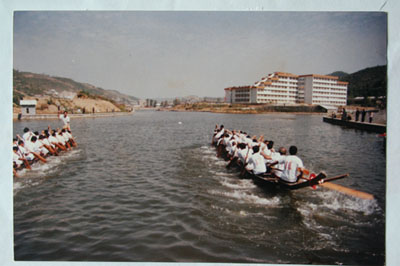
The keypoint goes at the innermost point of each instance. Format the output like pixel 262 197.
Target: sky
pixel 155 54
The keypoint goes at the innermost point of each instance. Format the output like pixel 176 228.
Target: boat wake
pixel 41 171
pixel 246 197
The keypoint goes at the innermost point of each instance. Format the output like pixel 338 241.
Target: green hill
pixel 31 84
pixel 338 74
pixel 370 81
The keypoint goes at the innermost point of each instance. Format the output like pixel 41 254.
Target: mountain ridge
pixel 31 84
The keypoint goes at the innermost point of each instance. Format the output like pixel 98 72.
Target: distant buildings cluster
pixel 287 88
pixel 179 100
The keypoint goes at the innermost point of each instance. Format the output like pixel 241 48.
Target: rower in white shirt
pixel 27 134
pixel 219 134
pixel 278 164
pixel 294 167
pixel 243 152
pixel 256 162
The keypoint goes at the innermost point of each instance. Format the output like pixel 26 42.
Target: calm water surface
pixel 148 188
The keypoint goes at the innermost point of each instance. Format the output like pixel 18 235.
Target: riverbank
pixel 246 108
pixel 55 116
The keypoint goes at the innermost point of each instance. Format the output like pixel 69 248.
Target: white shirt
pixel 46 142
pixel 268 153
pixel 290 172
pixel 29 147
pixel 53 139
pixel 281 164
pixel 232 150
pixel 16 159
pixel 65 119
pixel 27 136
pixel 66 138
pixel 36 146
pixel 60 139
pixel 256 163
pixel 219 134
pixel 25 152
pixel 41 147
pixel 68 135
pixel 242 154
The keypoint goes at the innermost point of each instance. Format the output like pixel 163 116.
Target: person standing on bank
pixel 363 113
pixel 371 116
pixel 344 115
pixel 65 119
pixel 357 114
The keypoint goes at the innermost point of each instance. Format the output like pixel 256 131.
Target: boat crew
pixel 36 146
pixel 294 167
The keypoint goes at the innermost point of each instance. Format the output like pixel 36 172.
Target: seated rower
pixel 66 138
pixel 242 152
pixel 24 152
pixel 278 165
pixel 293 169
pixel 218 134
pixel 43 148
pixel 17 159
pixel 61 140
pixel 54 141
pixel 27 134
pixel 46 143
pixel 233 154
pixel 256 162
pixel 71 138
pixel 35 148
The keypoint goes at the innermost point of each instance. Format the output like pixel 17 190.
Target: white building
pixel 287 88
pixel 321 89
pixel 28 107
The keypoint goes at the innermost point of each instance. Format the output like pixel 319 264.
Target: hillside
pixel 31 84
pixel 370 81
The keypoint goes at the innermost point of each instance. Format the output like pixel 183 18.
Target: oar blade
pixel 348 191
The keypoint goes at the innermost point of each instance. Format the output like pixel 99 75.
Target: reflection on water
pixel 148 187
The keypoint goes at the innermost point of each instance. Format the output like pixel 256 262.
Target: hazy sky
pixel 166 54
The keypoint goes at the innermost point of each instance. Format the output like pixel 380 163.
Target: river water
pixel 149 188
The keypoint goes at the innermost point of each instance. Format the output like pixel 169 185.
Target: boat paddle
pixel 348 191
pixel 37 155
pixel 345 190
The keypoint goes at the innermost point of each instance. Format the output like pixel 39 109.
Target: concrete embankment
pixel 371 127
pixel 55 116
